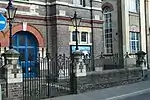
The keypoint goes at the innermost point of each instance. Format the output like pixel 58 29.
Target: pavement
pixel 113 93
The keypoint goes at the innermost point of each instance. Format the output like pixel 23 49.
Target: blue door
pixel 26 44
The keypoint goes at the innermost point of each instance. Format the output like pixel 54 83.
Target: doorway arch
pixel 27 45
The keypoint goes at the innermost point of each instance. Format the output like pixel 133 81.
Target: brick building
pixel 42 26
pixel 46 24
pixel 61 31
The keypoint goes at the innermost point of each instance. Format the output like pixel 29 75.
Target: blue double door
pixel 26 44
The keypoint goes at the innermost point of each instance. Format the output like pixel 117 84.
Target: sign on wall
pixel 3 22
pixel 83 48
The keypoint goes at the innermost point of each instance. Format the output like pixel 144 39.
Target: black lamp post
pixel 76 22
pixel 11 12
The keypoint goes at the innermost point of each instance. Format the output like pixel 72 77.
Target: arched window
pixel 108 29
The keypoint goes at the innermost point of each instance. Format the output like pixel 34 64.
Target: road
pixel 140 96
pixel 143 96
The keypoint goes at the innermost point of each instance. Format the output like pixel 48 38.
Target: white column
pixel 143 34
pixel 148 11
pixel 125 25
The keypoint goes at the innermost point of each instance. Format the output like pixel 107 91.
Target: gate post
pixel 141 62
pixel 13 76
pixel 78 69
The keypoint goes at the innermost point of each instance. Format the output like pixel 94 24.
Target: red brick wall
pixel 4 36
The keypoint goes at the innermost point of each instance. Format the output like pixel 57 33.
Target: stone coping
pixel 11 53
pixel 112 70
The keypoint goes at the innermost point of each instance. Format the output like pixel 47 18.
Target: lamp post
pixel 11 12
pixel 76 22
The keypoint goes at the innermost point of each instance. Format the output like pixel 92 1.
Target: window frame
pixel 79 2
pixel 75 36
pixel 88 41
pixel 86 37
pixel 133 6
pixel 135 40
pixel 108 30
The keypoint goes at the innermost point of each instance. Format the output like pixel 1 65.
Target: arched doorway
pixel 26 44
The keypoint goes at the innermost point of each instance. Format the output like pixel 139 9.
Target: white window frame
pixel 108 26
pixel 136 42
pixel 84 42
pixel 71 38
pixel 80 42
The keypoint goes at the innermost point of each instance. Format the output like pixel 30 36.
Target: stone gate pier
pixel 13 75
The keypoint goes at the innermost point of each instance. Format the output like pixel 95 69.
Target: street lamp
pixel 76 22
pixel 11 12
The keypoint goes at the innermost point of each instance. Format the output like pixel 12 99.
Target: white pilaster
pixel 143 34
pixel 125 26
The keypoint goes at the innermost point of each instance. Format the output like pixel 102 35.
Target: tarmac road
pixel 143 96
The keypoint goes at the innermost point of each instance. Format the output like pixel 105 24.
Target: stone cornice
pixel 28 4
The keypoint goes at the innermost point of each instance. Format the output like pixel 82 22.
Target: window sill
pixel 78 5
pixel 74 43
pixel 134 13
pixel 23 1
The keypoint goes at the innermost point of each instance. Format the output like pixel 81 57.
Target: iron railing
pixel 46 77
pixel 104 61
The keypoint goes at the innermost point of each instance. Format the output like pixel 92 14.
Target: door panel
pixel 22 40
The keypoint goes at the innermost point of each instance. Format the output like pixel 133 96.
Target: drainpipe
pixel 47 49
pixel 92 36
pixel 120 34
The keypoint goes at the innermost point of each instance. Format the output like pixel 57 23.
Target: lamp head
pixel 76 20
pixel 11 11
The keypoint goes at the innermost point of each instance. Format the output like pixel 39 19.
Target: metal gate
pixel 52 79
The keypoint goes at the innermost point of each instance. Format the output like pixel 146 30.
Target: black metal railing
pixel 46 77
pixel 104 61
